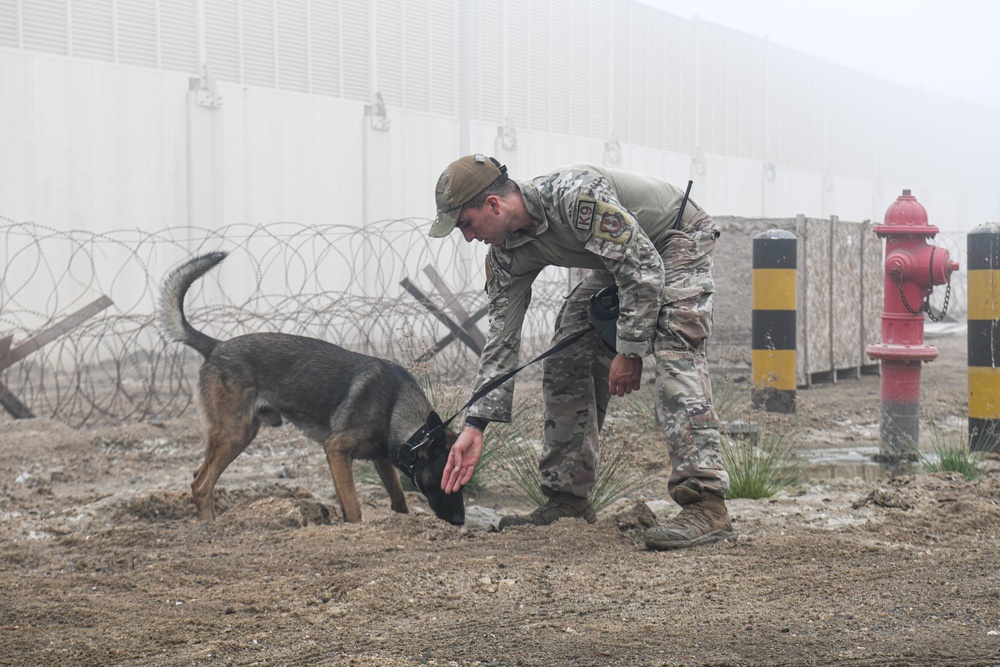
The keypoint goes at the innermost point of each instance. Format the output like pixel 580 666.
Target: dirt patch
pixel 102 561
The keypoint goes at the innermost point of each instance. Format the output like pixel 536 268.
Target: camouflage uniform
pixel 621 226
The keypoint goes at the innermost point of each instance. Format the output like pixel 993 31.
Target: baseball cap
pixel 459 184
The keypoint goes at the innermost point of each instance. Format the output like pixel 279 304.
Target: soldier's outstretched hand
pixel 462 460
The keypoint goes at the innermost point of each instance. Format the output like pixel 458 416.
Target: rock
pixel 482 518
pixel 639 517
pixel 663 507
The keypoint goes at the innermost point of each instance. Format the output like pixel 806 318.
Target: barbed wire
pixel 335 282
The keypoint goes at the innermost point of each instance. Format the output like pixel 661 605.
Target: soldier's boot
pixel 559 506
pixel 703 519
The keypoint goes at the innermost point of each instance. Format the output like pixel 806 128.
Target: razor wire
pixel 335 282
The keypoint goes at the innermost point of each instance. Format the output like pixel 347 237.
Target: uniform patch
pixel 585 209
pixel 611 223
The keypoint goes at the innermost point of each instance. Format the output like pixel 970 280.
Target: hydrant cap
pixel 906 216
pixel 906 211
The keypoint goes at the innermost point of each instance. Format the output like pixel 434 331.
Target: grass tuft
pixel 761 460
pixel 761 465
pixel 621 444
pixel 952 456
pixel 515 448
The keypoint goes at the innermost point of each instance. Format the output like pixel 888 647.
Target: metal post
pixel 984 337
pixel 773 355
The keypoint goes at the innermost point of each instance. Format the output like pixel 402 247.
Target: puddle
pixel 820 462
pixel 842 463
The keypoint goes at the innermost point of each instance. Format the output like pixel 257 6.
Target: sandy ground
pixel 102 561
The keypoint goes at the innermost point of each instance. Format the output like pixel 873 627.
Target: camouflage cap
pixel 459 184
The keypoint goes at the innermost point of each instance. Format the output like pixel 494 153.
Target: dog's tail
pixel 171 316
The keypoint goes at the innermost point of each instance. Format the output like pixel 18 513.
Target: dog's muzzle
pixel 415 465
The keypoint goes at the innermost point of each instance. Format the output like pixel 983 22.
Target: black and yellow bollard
pixel 984 338
pixel 774 320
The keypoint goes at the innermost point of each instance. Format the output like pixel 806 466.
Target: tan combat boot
pixel 703 519
pixel 559 506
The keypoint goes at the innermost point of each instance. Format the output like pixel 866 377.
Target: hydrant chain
pixel 944 306
pixel 898 279
pixel 947 292
pixel 926 307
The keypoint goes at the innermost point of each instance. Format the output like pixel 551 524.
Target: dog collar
pixel 405 457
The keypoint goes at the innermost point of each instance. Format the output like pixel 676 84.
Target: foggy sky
pixel 951 48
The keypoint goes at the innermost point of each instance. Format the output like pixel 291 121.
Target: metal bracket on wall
pixel 378 117
pixel 207 95
pixel 613 150
pixel 507 134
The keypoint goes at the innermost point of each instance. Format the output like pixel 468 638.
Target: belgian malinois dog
pixel 355 405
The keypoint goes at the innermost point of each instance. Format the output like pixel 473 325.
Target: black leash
pixel 497 381
pixel 404 458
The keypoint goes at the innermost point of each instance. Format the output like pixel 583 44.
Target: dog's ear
pixel 450 435
pixel 437 443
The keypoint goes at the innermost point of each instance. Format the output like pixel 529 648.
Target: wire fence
pixel 344 284
pixel 339 283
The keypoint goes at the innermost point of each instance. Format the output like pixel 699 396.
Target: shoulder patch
pixel 585 208
pixel 612 224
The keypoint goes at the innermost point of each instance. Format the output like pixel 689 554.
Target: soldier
pixel 624 227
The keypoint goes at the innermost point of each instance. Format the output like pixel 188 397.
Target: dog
pixel 354 405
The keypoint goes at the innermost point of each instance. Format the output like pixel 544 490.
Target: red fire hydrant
pixel 912 269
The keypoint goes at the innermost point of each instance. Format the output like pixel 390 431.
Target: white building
pixel 156 113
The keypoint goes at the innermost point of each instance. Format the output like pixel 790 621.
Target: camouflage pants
pixel 575 381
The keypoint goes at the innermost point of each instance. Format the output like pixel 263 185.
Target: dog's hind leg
pixel 222 448
pixel 231 427
pixel 390 480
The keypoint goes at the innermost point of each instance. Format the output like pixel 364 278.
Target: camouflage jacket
pixel 585 217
